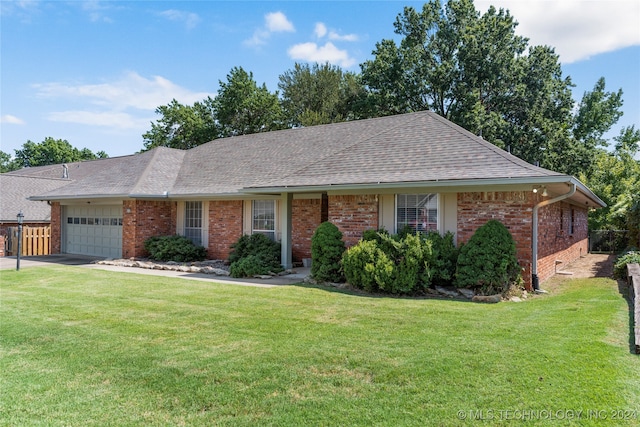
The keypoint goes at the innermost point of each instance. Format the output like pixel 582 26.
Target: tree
pixel 242 107
pixel 183 126
pixel 615 178
pixel 320 94
pixel 475 71
pixel 53 151
pixel 7 164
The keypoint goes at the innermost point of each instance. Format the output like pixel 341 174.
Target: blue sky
pixel 93 72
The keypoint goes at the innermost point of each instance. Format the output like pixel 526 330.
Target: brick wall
pixel 353 215
pixel 513 208
pixel 515 211
pixel 556 241
pixel 306 216
pixel 225 227
pixel 143 219
pixel 56 227
pixel 2 243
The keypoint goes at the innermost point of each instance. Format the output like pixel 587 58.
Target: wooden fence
pixel 35 241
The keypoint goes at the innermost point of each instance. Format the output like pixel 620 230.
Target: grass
pixel 90 347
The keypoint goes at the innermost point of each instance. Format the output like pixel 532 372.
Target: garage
pixel 92 230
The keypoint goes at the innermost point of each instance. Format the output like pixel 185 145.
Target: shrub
pixel 393 264
pixel 327 248
pixel 249 266
pixel 367 267
pixel 620 266
pixel 444 258
pixel 174 248
pixel 488 261
pixel 257 254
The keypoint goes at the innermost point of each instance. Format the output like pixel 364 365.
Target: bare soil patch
pixel 591 265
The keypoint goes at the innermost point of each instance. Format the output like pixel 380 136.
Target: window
pixel 572 221
pixel 193 222
pixel 264 218
pixel 417 211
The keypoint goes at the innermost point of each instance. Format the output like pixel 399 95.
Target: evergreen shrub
pixel 254 254
pixel 488 262
pixel 327 248
pixel 174 248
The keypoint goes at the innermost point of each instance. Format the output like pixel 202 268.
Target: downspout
pixel 535 283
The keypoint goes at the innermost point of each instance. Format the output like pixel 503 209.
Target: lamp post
pixel 20 217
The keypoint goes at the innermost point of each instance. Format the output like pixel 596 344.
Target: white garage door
pixel 93 230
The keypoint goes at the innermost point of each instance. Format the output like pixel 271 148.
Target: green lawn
pixel 81 347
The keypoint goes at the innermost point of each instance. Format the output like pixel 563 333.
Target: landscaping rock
pixel 447 292
pixel 487 298
pixel 467 293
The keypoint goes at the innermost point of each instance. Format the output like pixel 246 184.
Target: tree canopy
pixel 48 152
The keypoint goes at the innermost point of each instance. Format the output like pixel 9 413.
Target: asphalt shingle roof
pixel 415 147
pixel 16 189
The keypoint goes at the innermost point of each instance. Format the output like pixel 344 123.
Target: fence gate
pixel 35 241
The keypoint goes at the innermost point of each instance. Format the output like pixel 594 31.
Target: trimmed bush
pixel 393 264
pixel 367 267
pixel 620 266
pixel 249 266
pixel 327 248
pixel 254 254
pixel 444 258
pixel 488 261
pixel 174 248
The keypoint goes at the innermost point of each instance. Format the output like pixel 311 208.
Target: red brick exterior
pixel 556 239
pixel 515 211
pixel 225 227
pixel 353 215
pixel 142 219
pixel 306 216
pixel 512 208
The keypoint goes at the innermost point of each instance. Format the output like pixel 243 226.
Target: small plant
pixel 488 261
pixel 327 248
pixel 620 266
pixel 174 248
pixel 254 254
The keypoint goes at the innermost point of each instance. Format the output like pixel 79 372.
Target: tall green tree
pixel 53 151
pixel 320 94
pixel 474 70
pixel 183 126
pixel 242 107
pixel 7 164
pixel 615 178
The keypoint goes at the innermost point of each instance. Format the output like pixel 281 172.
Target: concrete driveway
pixel 9 263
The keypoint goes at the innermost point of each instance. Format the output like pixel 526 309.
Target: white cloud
pixel 320 30
pixel 191 20
pixel 578 29
pixel 274 22
pixel 277 22
pixel 110 119
pixel 131 91
pixel 311 52
pixel 11 120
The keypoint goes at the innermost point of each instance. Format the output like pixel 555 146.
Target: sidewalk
pixel 9 263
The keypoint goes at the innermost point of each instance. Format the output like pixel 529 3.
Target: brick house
pixel 414 169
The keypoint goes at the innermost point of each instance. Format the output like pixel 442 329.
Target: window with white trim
pixel 417 211
pixel 193 222
pixel 263 218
